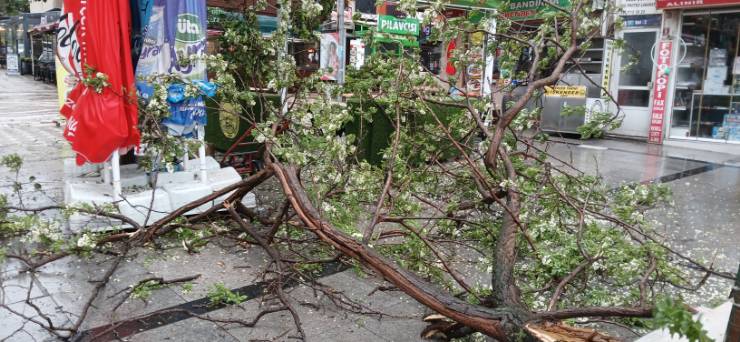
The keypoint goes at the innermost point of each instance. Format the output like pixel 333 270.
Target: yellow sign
pixel 61 74
pixel 566 91
pixel 228 120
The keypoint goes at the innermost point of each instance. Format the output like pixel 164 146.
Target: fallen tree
pixel 474 183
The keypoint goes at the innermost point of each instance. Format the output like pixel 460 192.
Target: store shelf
pixel 680 108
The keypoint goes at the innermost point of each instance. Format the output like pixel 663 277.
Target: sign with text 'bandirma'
pixel 390 24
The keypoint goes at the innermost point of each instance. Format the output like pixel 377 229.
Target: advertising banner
pixel 356 53
pixel 173 39
pixel 329 59
pixel 474 71
pixel 141 11
pixel 660 92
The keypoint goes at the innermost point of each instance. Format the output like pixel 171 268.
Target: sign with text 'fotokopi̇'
pixel 660 91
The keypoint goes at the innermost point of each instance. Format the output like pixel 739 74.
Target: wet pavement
pixel 703 222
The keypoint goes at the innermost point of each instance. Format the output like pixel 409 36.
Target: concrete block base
pixel 137 206
pixel 182 194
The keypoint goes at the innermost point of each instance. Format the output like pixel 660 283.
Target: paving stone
pixel 233 267
pixel 192 330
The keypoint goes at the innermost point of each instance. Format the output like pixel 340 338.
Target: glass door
pixel 634 78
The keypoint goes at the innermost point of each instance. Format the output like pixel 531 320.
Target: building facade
pixel 682 86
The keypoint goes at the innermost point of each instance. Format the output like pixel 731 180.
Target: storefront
pixel 705 87
pixel 43 46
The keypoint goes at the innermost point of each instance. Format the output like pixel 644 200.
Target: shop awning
pixel 44 28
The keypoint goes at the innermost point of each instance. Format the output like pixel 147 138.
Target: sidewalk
pixel 702 222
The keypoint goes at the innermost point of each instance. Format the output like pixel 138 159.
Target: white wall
pixel 38 6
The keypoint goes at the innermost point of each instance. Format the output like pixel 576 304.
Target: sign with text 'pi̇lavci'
pixel 668 4
pixel 391 24
pixel 660 91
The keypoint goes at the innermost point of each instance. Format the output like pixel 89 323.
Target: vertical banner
pixel 356 53
pixel 173 42
pixel 185 27
pixel 606 68
pixel 154 57
pixel 660 91
pixel 141 11
pixel 474 71
pixel 329 56
pixel 61 77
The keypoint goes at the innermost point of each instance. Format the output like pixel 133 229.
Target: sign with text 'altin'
pixel 390 24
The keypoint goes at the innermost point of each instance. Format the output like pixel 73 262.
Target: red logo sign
pixel 660 91
pixel 660 4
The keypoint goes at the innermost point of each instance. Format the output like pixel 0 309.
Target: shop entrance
pixel 706 103
pixel 633 77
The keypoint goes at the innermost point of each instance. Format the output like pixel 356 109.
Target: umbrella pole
pixel 185 159
pixel 202 155
pixel 105 170
pixel 115 161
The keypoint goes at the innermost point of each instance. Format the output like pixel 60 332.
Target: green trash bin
pixel 224 128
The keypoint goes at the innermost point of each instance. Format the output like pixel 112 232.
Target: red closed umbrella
pixel 101 122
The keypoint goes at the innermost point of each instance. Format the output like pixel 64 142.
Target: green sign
pixel 483 4
pixel 390 24
pixel 517 9
pixel 532 9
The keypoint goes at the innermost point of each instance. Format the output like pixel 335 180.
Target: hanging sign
pixel 660 91
pixel 566 91
pixel 661 4
pixel 637 7
pixel 391 24
pixel 607 67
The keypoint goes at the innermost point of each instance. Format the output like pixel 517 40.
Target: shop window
pixel 706 101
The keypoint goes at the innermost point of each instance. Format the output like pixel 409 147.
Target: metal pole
pixel 490 57
pixel 342 42
pixel 202 155
pixel 733 325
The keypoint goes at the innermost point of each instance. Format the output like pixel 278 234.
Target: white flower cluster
pixel 41 230
pixel 86 241
pixel 311 8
